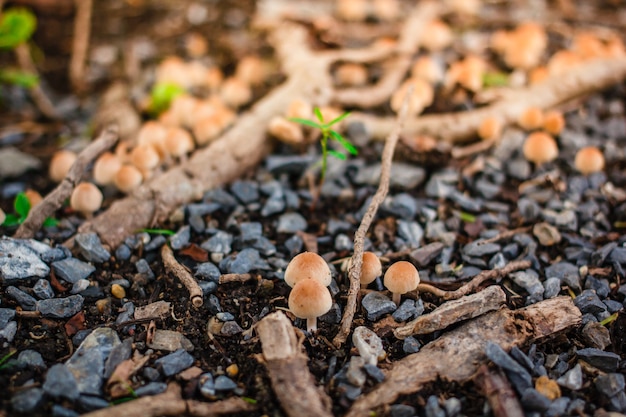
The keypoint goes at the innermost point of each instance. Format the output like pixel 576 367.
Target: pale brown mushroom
pixel 105 168
pixel 60 164
pixel 371 268
pixel 307 265
pixel 589 160
pixel 540 147
pixel 400 278
pixel 127 178
pixel 310 299
pixel 86 198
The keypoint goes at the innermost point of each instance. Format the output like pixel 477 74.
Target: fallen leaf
pixel 195 252
pixel 74 324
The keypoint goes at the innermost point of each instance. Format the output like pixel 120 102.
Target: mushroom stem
pixel 311 324
pixel 395 297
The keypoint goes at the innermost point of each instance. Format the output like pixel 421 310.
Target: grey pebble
pixel 552 287
pixel 60 308
pixel 600 286
pixel 79 286
pixel 427 253
pixel 605 361
pixel 196 223
pixel 207 385
pixel 155 243
pixel 22 263
pixel 478 248
pixel 274 204
pixel 402 410
pixel 231 328
pixel 220 242
pixel 589 302
pixel 596 335
pixel 207 287
pixel 374 372
pixel 151 388
pixel 566 272
pixel 529 280
pixel 60 411
pixel 175 362
pixel 533 400
pixel 245 191
pixel 150 373
pixel 343 243
pixel 90 247
pixel 572 379
pixel 123 252
pixel 452 406
pixel 27 401
pixel 6 315
pixel 520 378
pixel 404 176
pixel 181 239
pixel 61 383
pixel 244 262
pixel 411 231
pixel 432 408
pixel 610 384
pixel 377 305
pixel 8 331
pixel 198 210
pixel 208 271
pixel 72 269
pixel 224 316
pixel 291 223
pixel 401 205
pixel 119 353
pixel 406 311
pixel 144 270
pixel 224 383
pixel 333 316
pixel 411 345
pixel 32 359
pixel 558 407
pixel 92 402
pixel 26 301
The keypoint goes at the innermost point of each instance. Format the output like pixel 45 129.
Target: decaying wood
pixel 170 403
pixel 468 307
pixel 492 274
pixel 176 269
pixel 80 43
pixel 55 199
pixel 457 355
pixel 458 127
pixel 354 271
pixel 287 367
pixel 499 393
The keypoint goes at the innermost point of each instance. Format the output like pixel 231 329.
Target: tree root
pixel 457 355
pixel 288 370
pixel 175 268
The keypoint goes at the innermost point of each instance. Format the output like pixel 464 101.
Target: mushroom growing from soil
pixel 540 147
pixel 490 128
pixel 307 266
pixel 531 118
pixel 589 160
pixel 371 269
pixel 127 178
pixel 86 198
pixel 105 168
pixel 553 122
pixel 60 164
pixel 400 278
pixel 308 300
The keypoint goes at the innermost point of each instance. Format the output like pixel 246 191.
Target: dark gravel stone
pixel 402 410
pixel 6 315
pixel 32 359
pixel 207 385
pixel 42 289
pixel 294 245
pixel 244 262
pixel 26 301
pixel 374 372
pixel 533 400
pixel 220 242
pixel 401 205
pixel 405 311
pixel 613 306
pixel 528 209
pixel 181 238
pixel 196 223
pixel 600 286
pixel 91 248
pixel 523 359
pixel 426 254
pixel 412 232
pixel 155 243
pixel 520 378
pixel 552 287
pixel 207 287
pixel 198 210
pixel 335 226
pixel 466 202
pixel 589 302
pixel 123 252
pixel 274 204
pixel 610 384
pixel 144 270
pixel 175 362
pixel 55 254
pixel 411 345
pixel 618 255
pixel 333 316
pixel 213 304
pixel 291 223
pixel 27 401
pixel 558 407
pixel 92 402
pixel 343 243
pixel 529 280
pixel 605 361
pixel 23 262
pixel 566 272
pixel 377 305
pixel 245 191
pixel 150 373
pixel 432 408
pixel 151 388
pixel 72 269
pixel 60 308
pixel 478 248
pixel 61 383
pixel 224 383
pixel 511 251
pixel 60 411
pixel 599 256
pixel 288 164
pixel 231 328
pixel 208 271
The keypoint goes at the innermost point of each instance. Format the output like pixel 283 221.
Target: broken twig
pixel 175 268
pixel 80 43
pixel 288 370
pixel 55 199
pixel 41 100
pixel 499 393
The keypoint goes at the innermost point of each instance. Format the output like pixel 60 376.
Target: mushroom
pixel 307 265
pixel 145 158
pixel 351 74
pixel 299 108
pixel 540 147
pixel 308 300
pixel 86 198
pixel 554 122
pixel 589 160
pixel 33 197
pixel 439 36
pixel 490 128
pixel 421 97
pixel 351 10
pixel 250 70
pixel 152 133
pixel 400 278
pixel 531 118
pixel 60 164
pixel 235 92
pixel 105 168
pixel 386 10
pixel 371 268
pixel 127 178
pixel 196 45
pixel 285 131
pixel 178 142
pixel 428 69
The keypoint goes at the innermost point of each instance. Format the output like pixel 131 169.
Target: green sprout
pixel 3 361
pixel 328 133
pixel 162 95
pixel 17 25
pixel 22 207
pixel 165 232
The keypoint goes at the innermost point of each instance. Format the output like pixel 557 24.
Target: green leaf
pixel 495 79
pixel 249 400
pixel 466 217
pixel 318 114
pixel 338 119
pixel 337 155
pixel 159 231
pixel 344 142
pixel 50 222
pixel 11 220
pixel 305 122
pixel 162 95
pixel 22 205
pixel 19 78
pixel 16 26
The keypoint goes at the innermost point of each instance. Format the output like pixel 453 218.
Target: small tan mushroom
pixel 439 36
pixel 351 74
pixel 299 108
pixel 33 197
pixel 540 147
pixel 128 178
pixel 60 164
pixel 421 97
pixel 554 122
pixel 400 278
pixel 250 70
pixel 386 10
pixel 105 168
pixel 178 142
pixel 86 198
pixel 371 269
pixel 235 92
pixel 589 160
pixel 428 69
pixel 351 10
pixel 490 128
pixel 153 133
pixel 196 45
pixel 307 265
pixel 145 158
pixel 531 119
pixel 285 131
pixel 310 299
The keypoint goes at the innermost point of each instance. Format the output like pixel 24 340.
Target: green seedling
pixel 328 133
pixel 495 79
pixel 158 231
pixel 5 358
pixel 17 25
pixel 610 319
pixel 22 207
pixel 161 97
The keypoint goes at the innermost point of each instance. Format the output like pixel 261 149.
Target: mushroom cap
pixel 127 178
pixel 401 277
pixel 235 92
pixel 86 198
pixel 250 70
pixel 540 147
pixel 553 122
pixel 285 131
pixel 153 133
pixel 531 118
pixel 351 74
pixel 145 157
pixel 60 164
pixel 309 299
pixel 178 142
pixel 371 269
pixel 105 168
pixel 307 266
pixel 490 128
pixel 421 97
pixel 589 160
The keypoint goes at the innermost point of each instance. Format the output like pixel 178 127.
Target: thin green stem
pixel 324 142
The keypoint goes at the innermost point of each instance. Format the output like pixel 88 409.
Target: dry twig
pixel 175 268
pixel 493 274
pixel 457 355
pixel 499 393
pixel 354 272
pixel 288 369
pixel 80 43
pixel 227 278
pixel 62 192
pixel 41 100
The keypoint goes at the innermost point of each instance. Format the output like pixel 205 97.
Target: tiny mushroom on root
pixel 105 168
pixel 553 122
pixel 285 131
pixel 400 278
pixel 490 128
pixel 308 300
pixel 307 266
pixel 235 92
pixel 540 147
pixel 371 269
pixel 145 158
pixel 421 97
pixel 86 198
pixel 589 160
pixel 532 118
pixel 60 164
pixel 351 74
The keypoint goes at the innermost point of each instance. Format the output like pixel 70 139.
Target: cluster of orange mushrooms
pixel 309 276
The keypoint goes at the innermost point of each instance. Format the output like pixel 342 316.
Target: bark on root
pixel 457 355
pixel 287 367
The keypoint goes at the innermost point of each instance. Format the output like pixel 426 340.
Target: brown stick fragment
pixel 507 234
pixel 354 271
pixel 499 393
pixel 41 100
pixel 62 192
pixel 175 268
pixel 227 278
pixel 457 355
pixel 492 274
pixel 80 43
pixel 468 307
pixel 287 366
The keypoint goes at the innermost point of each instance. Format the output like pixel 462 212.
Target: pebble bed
pixel 434 215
